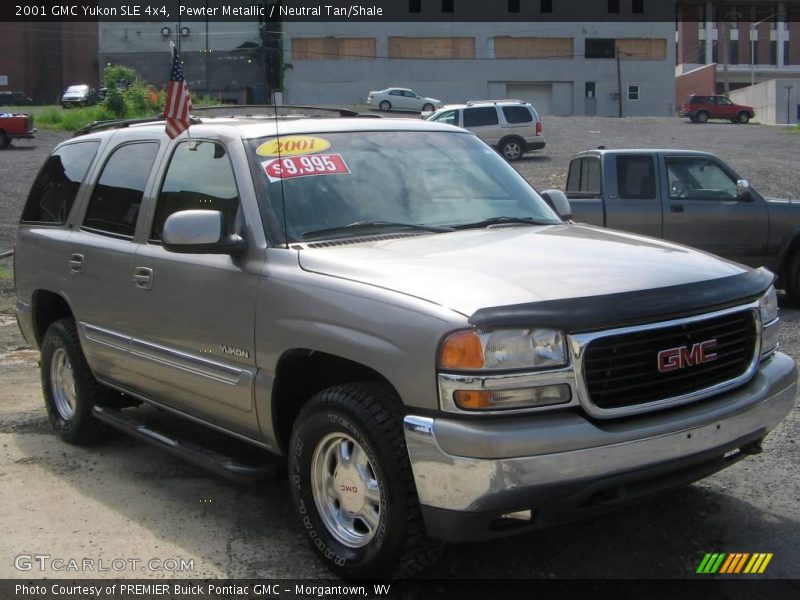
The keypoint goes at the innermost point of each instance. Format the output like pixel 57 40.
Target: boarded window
pixel 533 47
pixel 431 47
pixel 330 48
pixel 642 48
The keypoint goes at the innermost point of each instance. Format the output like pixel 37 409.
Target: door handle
pixel 76 263
pixel 143 278
pixel 676 208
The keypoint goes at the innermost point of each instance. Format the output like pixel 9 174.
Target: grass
pixel 71 119
pixel 5 274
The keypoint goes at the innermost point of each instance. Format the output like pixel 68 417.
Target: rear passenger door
pixel 633 205
pixel 484 123
pixel 101 253
pixel 195 313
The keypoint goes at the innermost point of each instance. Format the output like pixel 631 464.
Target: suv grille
pixel 623 370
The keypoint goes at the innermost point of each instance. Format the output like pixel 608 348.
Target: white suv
pixel 513 127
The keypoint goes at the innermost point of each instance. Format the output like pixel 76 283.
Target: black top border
pixel 389 11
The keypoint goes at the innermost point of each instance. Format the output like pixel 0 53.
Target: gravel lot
pixel 126 500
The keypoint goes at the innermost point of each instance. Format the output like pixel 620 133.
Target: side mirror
pixel 557 200
pixel 200 232
pixel 743 190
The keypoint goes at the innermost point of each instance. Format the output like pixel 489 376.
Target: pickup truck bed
pixel 15 126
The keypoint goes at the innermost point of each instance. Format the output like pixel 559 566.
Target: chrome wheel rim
pixel 62 380
pixel 346 490
pixel 512 151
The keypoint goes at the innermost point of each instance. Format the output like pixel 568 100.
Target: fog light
pixel 547 395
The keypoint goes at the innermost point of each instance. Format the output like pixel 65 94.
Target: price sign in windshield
pixel 290 167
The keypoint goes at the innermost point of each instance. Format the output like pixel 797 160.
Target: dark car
pixel 701 108
pixel 15 99
pixel 78 95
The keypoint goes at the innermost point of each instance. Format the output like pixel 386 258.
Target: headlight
pixel 768 307
pixel 503 349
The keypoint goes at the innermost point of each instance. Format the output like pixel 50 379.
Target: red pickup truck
pixel 14 126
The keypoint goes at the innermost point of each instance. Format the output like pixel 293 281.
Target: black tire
pixel 369 415
pixel 702 116
pixel 793 279
pixel 428 107
pixel 743 117
pixel 512 149
pixel 5 141
pixel 385 106
pixel 61 341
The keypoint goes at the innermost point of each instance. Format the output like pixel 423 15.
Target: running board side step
pixel 220 464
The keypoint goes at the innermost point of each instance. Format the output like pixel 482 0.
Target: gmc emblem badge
pixel 679 358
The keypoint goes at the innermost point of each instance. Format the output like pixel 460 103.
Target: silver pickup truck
pixel 692 198
pixel 390 308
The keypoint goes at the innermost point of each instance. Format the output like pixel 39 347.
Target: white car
pixel 402 99
pixel 512 127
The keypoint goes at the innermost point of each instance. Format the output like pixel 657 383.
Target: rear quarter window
pixel 517 114
pixel 56 186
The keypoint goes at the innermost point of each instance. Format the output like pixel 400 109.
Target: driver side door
pixel 701 209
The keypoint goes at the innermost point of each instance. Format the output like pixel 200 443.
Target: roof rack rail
pixel 471 102
pixel 119 124
pixel 269 109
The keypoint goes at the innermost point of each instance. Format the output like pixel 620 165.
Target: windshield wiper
pixel 360 225
pixel 503 221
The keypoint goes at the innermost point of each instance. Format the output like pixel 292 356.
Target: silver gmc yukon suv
pixel 434 348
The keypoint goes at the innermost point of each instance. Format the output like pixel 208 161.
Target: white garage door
pixel 540 95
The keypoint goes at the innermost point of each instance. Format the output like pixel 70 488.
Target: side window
pixel 409 94
pixel 53 193
pixel 636 177
pixel 584 176
pixel 699 179
pixel 480 117
pixel 449 117
pixel 114 205
pixel 200 178
pixel 395 92
pixel 517 114
pixel 698 100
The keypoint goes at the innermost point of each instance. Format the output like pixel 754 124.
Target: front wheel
pixel 5 141
pixel 744 118
pixel 428 107
pixel 70 389
pixel 352 484
pixel 385 105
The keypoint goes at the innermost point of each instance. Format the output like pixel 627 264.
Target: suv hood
pixel 473 269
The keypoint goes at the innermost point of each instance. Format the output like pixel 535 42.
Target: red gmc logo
pixel 679 358
pixel 349 488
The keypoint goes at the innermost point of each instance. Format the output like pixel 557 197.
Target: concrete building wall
pixel 342 80
pixel 775 102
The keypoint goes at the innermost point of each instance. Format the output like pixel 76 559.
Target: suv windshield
pixel 379 181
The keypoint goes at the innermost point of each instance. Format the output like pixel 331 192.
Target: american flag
pixel 179 103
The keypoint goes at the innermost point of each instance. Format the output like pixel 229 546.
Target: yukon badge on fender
pixel 678 358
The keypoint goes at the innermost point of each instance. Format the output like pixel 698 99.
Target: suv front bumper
pixel 478 479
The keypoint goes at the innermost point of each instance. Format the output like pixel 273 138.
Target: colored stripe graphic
pixel 733 563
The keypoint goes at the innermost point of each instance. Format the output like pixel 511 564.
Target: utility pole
pixel 619 82
pixel 724 32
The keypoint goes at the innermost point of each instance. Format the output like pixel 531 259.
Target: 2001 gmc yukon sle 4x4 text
pixel 392 308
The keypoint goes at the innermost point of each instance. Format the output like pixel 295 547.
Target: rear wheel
pixel 512 149
pixel 5 141
pixel 702 117
pixel 385 105
pixel 693 119
pixel 744 117
pixel 352 484
pixel 70 389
